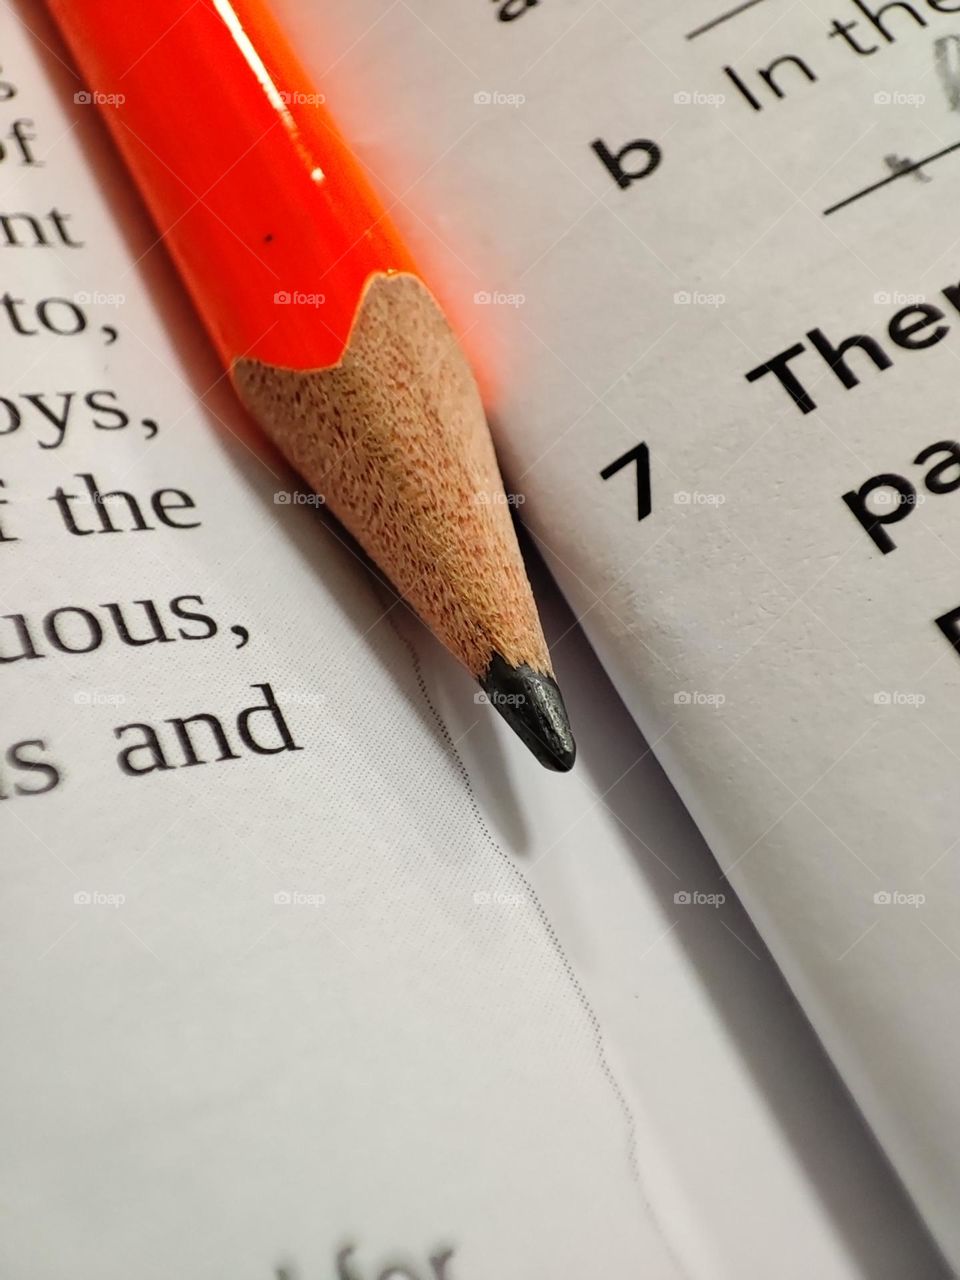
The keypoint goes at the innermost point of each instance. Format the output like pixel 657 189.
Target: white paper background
pixel 205 1081
pixel 813 796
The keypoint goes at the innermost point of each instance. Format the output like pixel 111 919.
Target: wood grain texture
pixel 394 437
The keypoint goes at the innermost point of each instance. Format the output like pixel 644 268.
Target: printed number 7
pixel 641 455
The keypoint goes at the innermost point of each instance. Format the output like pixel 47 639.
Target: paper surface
pixel 261 1009
pixel 339 1010
pixel 790 181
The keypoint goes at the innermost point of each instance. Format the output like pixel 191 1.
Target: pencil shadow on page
pixel 332 555
pixel 817 1116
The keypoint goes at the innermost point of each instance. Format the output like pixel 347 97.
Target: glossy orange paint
pixel 254 192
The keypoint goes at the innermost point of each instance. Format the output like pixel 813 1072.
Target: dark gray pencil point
pixel 532 706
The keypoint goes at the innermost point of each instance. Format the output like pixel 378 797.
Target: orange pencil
pixel 368 395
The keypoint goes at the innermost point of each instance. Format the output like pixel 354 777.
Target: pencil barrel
pixel 254 192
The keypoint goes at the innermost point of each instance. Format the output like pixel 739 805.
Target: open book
pixel 285 998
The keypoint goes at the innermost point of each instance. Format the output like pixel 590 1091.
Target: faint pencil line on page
pixel 553 940
pixel 902 172
pixel 554 944
pixel 723 17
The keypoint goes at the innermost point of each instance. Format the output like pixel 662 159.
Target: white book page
pixel 276 1002
pixel 789 180
pixel 338 1004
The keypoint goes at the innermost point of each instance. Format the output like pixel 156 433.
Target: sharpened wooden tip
pixel 395 438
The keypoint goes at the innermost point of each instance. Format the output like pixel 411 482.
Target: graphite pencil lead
pixel 532 705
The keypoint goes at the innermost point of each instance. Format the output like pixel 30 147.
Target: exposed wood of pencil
pixel 395 439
